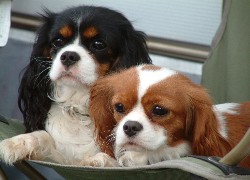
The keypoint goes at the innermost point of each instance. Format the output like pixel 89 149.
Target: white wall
pixel 186 20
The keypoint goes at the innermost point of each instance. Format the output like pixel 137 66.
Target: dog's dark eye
pixel 98 45
pixel 57 42
pixel 159 111
pixel 119 107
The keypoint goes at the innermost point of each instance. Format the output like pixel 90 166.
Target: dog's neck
pixel 69 124
pixel 71 98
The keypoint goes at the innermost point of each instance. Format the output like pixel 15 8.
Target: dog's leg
pixel 141 158
pixel 35 145
pixel 99 160
pixel 131 158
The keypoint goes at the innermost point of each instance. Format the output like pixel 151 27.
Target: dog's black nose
pixel 131 128
pixel 69 58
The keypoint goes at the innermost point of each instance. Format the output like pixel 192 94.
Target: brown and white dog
pixel 148 114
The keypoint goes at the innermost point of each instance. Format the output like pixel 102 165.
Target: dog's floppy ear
pixel 134 50
pixel 202 127
pixel 101 113
pixel 35 85
pixel 41 45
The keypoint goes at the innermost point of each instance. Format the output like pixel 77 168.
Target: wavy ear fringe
pixel 102 115
pixel 204 133
pixel 134 51
pixel 35 86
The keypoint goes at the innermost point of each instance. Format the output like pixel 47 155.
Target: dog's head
pixel 76 46
pixel 156 107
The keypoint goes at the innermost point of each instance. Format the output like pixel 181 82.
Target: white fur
pixel 149 145
pixel 151 137
pixel 84 70
pixel 69 126
pixel 144 157
pixel 33 146
pixel 149 77
pixel 220 109
pixel 69 132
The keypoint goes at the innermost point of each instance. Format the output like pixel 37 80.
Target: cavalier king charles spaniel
pixel 148 114
pixel 72 50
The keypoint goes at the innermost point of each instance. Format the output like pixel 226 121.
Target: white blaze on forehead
pixel 149 77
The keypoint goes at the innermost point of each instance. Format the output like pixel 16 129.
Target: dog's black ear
pixel 41 45
pixel 35 84
pixel 134 50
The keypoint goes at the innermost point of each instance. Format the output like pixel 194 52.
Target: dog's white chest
pixel 72 133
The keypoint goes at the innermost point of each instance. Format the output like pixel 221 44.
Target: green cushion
pixel 226 72
pixel 10 128
pixel 183 168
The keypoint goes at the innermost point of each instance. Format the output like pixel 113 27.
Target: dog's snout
pixel 131 128
pixel 69 58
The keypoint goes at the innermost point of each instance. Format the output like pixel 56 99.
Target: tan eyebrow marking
pixel 90 32
pixel 66 31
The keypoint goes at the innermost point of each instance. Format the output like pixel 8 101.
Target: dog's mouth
pixel 68 77
pixel 131 145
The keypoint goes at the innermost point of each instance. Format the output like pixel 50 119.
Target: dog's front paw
pixel 132 158
pixel 17 148
pixel 172 155
pixel 99 160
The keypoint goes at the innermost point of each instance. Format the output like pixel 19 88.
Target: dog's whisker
pixel 38 75
pixel 49 59
pixel 43 60
pixel 44 63
pixel 39 83
pixel 111 138
pixel 48 79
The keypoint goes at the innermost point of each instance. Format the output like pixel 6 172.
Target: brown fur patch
pixel 90 32
pixel 125 91
pixel 46 52
pixel 237 125
pixel 180 95
pixel 66 31
pixel 103 96
pixel 168 94
pixel 103 69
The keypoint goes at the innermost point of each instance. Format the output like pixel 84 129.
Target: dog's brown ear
pixel 202 127
pixel 102 114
